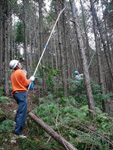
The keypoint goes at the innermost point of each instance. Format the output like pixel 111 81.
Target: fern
pixel 4 99
pixel 6 125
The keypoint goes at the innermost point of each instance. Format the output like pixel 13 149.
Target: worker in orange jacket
pixel 19 83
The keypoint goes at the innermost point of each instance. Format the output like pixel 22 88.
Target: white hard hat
pixel 13 64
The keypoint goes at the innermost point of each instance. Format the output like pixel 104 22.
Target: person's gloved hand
pixel 32 78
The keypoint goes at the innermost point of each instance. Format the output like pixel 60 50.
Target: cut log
pixel 52 133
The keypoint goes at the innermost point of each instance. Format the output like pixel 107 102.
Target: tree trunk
pixel 86 36
pixel 5 46
pixel 84 60
pixel 25 34
pixel 61 35
pixel 1 36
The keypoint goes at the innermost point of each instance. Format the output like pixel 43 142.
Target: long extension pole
pixel 47 42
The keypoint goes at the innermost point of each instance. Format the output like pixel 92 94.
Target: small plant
pixel 6 125
pixel 4 99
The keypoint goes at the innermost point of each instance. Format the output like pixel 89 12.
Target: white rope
pixel 47 43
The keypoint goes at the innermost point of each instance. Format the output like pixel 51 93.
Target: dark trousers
pixel 21 99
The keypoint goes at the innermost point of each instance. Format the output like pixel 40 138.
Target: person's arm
pixel 80 76
pixel 24 81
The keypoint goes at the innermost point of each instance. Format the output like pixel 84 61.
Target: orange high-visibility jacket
pixel 19 81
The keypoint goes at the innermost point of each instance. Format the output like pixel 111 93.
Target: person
pixel 22 60
pixel 78 76
pixel 19 83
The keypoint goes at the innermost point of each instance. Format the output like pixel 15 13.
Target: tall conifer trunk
pixel 1 36
pixel 25 34
pixel 5 44
pixel 61 38
pixel 84 60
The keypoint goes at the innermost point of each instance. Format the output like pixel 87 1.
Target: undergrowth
pixel 68 116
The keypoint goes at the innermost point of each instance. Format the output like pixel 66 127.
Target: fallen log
pixel 52 133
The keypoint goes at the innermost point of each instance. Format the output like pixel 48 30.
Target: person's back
pixel 19 81
pixel 78 76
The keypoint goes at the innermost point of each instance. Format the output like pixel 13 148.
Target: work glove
pixel 32 78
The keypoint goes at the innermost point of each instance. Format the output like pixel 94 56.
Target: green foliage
pixel 74 122
pixel 4 99
pixel 51 16
pixel 69 116
pixel 72 115
pixel 1 90
pixel 77 89
pixel 28 144
pixel 46 112
pixel 1 111
pixel 50 76
pixel 6 125
pixel 50 81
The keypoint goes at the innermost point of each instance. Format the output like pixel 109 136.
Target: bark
pixel 61 36
pixel 25 34
pixel 56 54
pixel 30 45
pixel 41 36
pixel 5 46
pixel 52 133
pixel 77 53
pixel 40 27
pixel 86 36
pixel 1 36
pixel 84 60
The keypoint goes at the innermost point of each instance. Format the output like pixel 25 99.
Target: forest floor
pixel 10 111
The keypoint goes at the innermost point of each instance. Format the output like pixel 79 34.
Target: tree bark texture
pixel 5 45
pixel 61 33
pixel 25 34
pixel 1 35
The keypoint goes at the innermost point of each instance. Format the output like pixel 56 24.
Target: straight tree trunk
pixel 61 38
pixel 84 60
pixel 40 2
pixel 5 45
pixel 56 54
pixel 40 27
pixel 25 34
pixel 1 36
pixel 86 36
pixel 30 45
